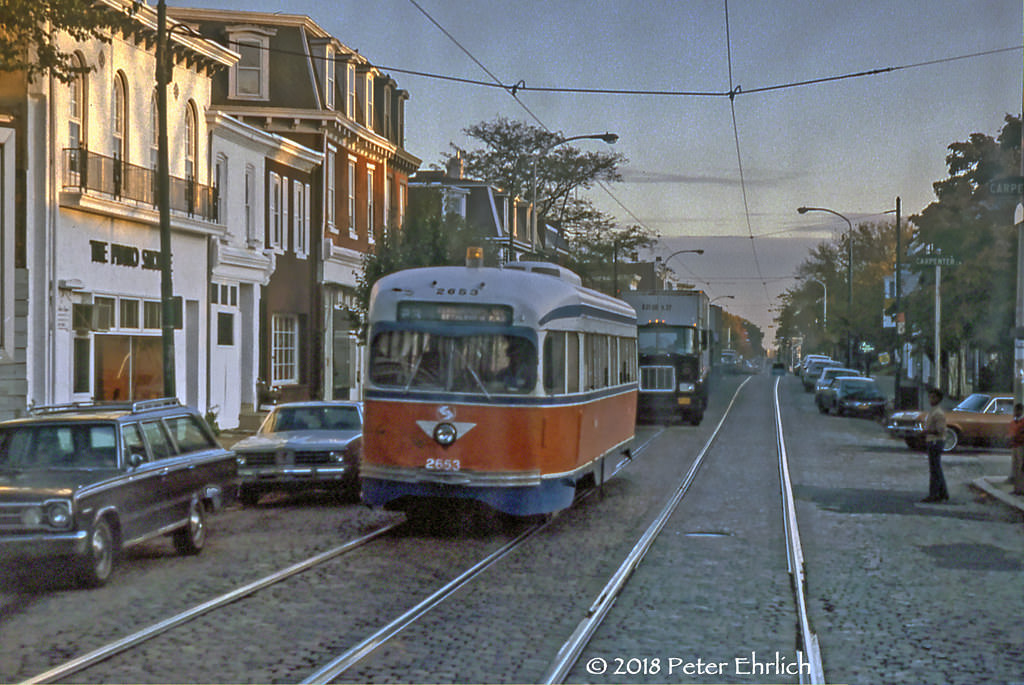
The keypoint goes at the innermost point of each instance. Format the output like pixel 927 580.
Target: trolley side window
pixel 554 362
pixel 627 363
pixel 484 363
pixel 572 362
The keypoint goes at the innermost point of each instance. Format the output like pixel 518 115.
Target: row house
pixel 503 220
pixel 80 310
pixel 295 80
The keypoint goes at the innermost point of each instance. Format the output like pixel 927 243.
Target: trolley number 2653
pixel 443 465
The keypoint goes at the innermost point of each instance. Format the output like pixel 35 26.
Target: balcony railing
pixel 88 171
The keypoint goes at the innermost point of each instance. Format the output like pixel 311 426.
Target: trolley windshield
pixel 660 339
pixel 482 363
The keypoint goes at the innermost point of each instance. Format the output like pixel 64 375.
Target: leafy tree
pixel 425 239
pixel 512 148
pixel 825 272
pixel 968 222
pixel 27 33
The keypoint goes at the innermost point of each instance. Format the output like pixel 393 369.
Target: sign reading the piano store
pixel 124 255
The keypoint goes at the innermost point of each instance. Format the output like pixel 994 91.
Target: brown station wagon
pixel 87 480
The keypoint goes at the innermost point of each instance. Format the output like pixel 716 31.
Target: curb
pixel 987 484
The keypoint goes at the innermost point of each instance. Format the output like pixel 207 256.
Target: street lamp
pixel 849 275
pixel 609 138
pixel 824 298
pixel 663 263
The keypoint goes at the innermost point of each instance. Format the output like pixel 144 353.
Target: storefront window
pixel 128 367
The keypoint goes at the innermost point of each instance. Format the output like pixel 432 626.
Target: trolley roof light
pixel 474 257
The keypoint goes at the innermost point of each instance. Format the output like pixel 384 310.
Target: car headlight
pixel 336 456
pixel 445 434
pixel 686 387
pixel 32 517
pixel 58 514
pixel 53 514
pixel 240 459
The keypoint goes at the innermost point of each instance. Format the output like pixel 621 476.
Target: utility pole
pixel 167 313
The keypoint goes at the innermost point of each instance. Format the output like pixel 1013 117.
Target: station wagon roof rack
pixel 93 405
pixel 162 403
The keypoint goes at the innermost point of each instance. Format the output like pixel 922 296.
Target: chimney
pixel 455 165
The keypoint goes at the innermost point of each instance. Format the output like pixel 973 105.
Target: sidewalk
pixel 999 488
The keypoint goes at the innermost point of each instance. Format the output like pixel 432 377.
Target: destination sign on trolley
pixel 455 312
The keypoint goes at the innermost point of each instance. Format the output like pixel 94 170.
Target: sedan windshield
pixel 68 446
pixel 325 418
pixel 975 402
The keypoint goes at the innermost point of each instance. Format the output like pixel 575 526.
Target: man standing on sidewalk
pixel 1017 448
pixel 935 437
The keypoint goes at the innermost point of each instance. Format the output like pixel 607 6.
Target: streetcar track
pixel 570 651
pixel 794 556
pixel 118 646
pixel 354 655
pixel 138 637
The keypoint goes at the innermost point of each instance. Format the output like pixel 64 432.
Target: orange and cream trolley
pixel 510 386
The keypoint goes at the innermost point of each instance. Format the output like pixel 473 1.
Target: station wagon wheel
pixel 97 564
pixel 952 439
pixel 192 538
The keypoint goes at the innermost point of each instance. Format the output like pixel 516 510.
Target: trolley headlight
pixel 445 434
pixel 687 387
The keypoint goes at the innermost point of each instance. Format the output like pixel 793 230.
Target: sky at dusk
pixel 849 144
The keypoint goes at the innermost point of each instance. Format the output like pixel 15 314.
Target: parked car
pixel 303 446
pixel 88 480
pixel 854 396
pixel 813 369
pixel 825 378
pixel 980 419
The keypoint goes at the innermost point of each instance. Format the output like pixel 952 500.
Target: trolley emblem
pixel 445 412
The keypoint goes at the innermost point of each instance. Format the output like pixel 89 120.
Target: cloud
pixel 640 176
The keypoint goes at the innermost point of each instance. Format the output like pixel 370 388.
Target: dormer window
pixel 329 80
pixel 350 90
pixel 249 79
pixel 369 101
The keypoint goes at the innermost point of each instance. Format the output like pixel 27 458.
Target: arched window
pixel 120 131
pixel 120 118
pixel 77 108
pixel 191 141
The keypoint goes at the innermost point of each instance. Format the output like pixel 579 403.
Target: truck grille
pixel 657 378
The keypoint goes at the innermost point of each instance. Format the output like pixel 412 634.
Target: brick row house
pixel 296 80
pixel 263 255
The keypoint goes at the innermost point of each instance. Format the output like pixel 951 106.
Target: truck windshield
pixel 666 339
pixel 471 363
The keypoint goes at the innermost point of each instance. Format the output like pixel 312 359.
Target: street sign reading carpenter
pixel 936 260
pixel 1010 185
